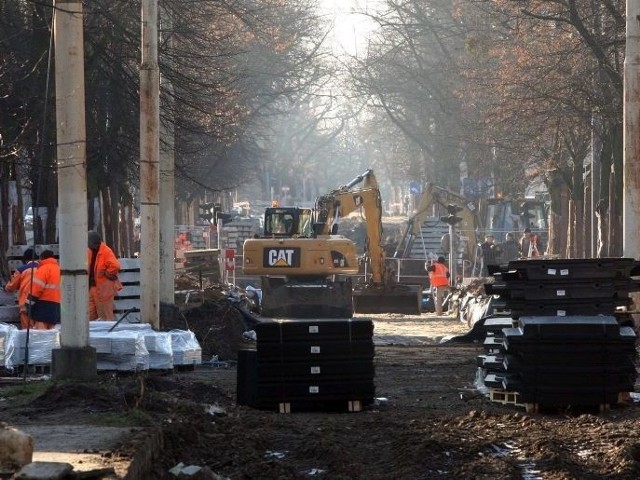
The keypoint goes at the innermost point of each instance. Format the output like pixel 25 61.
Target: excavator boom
pixel 434 203
pixel 380 293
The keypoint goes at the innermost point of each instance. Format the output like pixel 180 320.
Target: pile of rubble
pixel 218 314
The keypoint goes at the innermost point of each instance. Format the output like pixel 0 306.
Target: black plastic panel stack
pixel 309 365
pixel 493 358
pixel 560 287
pixel 569 360
pixel 567 347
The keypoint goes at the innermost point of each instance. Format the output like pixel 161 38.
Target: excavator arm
pixel 379 294
pixel 341 202
pixel 433 203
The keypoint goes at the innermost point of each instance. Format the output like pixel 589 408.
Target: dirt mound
pixel 217 325
pixel 103 397
pixel 213 317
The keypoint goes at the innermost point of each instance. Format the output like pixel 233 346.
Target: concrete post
pixel 167 205
pixel 75 358
pixel 631 156
pixel 167 183
pixel 452 255
pixel 149 166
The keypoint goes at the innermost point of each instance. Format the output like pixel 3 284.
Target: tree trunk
pixel 579 229
pixel 570 251
pixel 114 215
pixel 588 240
pixel 615 220
pixel 4 218
pixel 601 214
pixel 563 220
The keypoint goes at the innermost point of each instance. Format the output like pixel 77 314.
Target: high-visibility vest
pixel 21 282
pixel 46 288
pixel 105 272
pixel 438 277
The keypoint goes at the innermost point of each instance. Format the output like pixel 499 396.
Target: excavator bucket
pixel 405 299
pixel 306 300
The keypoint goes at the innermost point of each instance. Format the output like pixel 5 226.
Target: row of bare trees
pixel 232 67
pixel 515 90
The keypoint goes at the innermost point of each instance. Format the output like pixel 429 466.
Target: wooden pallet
pixel 44 369
pixel 505 398
pixel 513 398
pixel 537 407
pixel 337 405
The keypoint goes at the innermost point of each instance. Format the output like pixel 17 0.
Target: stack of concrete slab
pixel 127 301
pixel 185 348
pixel 560 287
pixel 15 253
pixel 120 350
pixel 7 336
pixel 158 344
pixel 38 343
pixel 567 347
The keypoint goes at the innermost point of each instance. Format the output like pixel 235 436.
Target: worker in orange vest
pixel 103 278
pixel 21 282
pixel 439 280
pixel 45 297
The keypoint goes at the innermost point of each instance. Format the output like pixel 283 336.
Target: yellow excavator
pixel 423 238
pixel 307 267
pixel 434 202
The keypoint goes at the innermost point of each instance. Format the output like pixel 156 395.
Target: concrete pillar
pixel 167 184
pixel 149 166
pixel 75 358
pixel 167 210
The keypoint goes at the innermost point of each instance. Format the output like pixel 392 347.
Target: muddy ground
pixel 431 423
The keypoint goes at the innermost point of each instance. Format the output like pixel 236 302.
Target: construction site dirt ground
pixel 429 422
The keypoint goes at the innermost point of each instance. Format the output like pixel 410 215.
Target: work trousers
pixel 440 294
pixel 100 308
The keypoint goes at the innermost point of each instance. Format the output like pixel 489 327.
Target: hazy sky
pixel 351 30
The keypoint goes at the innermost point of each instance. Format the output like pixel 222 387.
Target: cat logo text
pixel 281 257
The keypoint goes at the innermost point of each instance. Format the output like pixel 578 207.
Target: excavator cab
pixel 287 222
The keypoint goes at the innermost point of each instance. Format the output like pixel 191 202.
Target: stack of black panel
pixel 569 360
pixel 567 347
pixel 309 365
pixel 492 361
pixel 564 286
